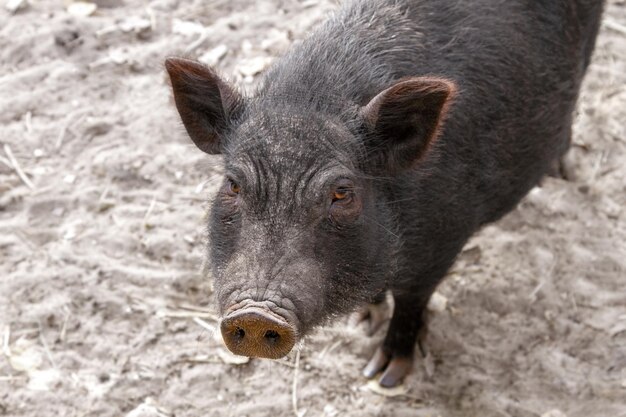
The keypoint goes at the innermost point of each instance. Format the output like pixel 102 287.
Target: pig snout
pixel 256 331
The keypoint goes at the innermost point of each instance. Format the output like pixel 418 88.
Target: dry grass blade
pixel 6 349
pixel 28 122
pixel 183 314
pixel 282 362
pixel 67 125
pixel 46 347
pixel 613 25
pixel 16 166
pixel 63 331
pixel 149 211
pixel 207 311
pixel 206 326
pixel 294 387
pixel 11 378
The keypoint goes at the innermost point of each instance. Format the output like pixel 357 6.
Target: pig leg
pixel 374 314
pixel 395 357
pixel 562 167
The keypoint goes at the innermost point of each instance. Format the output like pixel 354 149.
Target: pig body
pixel 372 151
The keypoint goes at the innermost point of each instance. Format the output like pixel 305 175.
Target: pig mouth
pixel 254 329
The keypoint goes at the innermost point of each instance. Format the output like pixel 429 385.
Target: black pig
pixel 372 151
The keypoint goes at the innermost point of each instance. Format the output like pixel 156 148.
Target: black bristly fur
pixel 509 73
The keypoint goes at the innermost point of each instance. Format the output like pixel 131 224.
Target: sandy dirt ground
pixel 104 309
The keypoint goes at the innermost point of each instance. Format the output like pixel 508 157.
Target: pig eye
pixel 345 206
pixel 233 187
pixel 341 194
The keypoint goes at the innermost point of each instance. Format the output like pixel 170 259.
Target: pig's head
pixel 301 228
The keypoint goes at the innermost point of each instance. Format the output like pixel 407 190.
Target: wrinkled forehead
pixel 275 142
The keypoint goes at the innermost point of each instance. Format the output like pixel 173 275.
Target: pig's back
pixel 517 64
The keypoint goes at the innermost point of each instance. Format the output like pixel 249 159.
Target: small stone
pixel 214 56
pixel 612 209
pixel 70 234
pixel 82 9
pixel 437 303
pixel 246 46
pixel 253 66
pixel 69 179
pixel 185 28
pixel 25 356
pixel 40 171
pixel 276 41
pixel 44 380
pixel 554 413
pixel 135 24
pixel 330 410
pixel 118 57
pixel 15 5
pixel 106 204
pixel 149 408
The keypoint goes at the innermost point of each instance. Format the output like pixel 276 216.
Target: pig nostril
pixel 272 336
pixel 240 333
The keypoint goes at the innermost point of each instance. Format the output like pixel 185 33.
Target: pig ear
pixel 402 121
pixel 205 102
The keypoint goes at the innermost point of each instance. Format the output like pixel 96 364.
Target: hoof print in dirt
pixel 68 39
